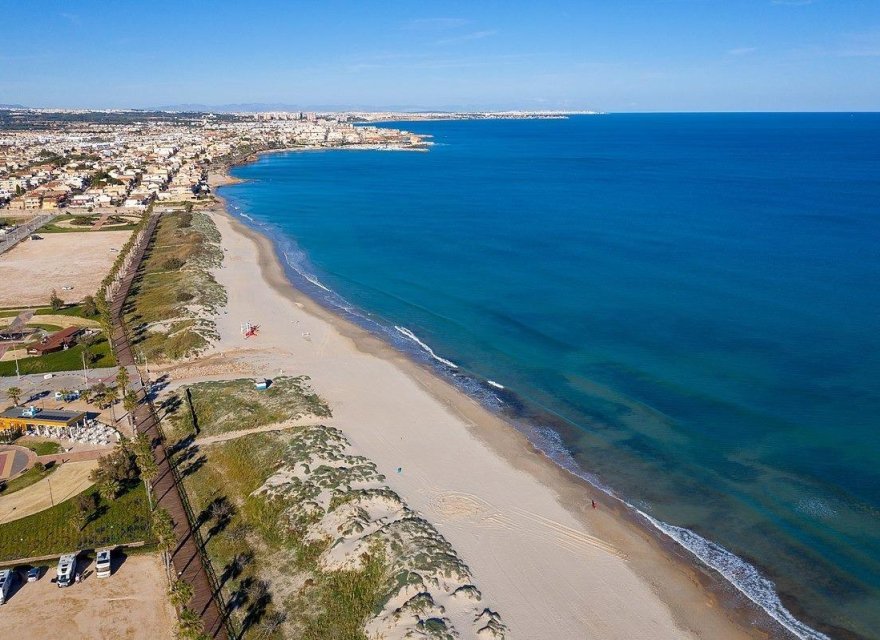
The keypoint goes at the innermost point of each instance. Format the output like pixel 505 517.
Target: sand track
pixel 70 479
pixel 76 259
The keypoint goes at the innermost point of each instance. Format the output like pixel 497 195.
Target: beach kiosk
pixel 18 418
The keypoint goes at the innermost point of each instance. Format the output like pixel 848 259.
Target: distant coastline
pixel 750 571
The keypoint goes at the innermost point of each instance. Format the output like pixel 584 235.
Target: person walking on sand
pixel 594 503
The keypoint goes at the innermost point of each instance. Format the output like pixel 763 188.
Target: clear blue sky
pixel 610 55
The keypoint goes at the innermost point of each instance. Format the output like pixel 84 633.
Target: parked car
pixel 102 565
pixel 66 570
pixel 6 578
pixel 33 574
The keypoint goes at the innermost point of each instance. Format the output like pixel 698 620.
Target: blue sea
pixel 683 308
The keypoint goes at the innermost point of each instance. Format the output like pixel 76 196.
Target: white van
pixel 102 564
pixel 66 570
pixel 6 577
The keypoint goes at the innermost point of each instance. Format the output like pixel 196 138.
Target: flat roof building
pixel 23 417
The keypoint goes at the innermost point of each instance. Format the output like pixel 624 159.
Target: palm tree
pixel 143 453
pixel 163 530
pixel 14 394
pixel 55 302
pixel 109 489
pixel 190 625
pixel 122 378
pixel 129 400
pixel 180 593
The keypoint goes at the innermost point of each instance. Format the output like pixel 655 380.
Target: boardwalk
pixel 188 562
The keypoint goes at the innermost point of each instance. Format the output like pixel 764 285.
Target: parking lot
pixel 130 604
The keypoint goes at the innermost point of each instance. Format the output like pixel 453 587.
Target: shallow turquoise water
pixel 690 301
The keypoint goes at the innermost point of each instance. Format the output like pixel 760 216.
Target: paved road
pixel 9 240
pixel 34 384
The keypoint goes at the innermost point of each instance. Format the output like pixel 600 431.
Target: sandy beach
pixel 549 563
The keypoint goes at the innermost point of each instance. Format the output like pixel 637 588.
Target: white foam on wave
pixel 494 384
pixel 740 574
pixel 314 281
pixel 409 334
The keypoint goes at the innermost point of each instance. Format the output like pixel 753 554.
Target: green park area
pixel 96 355
pixel 57 530
pixel 115 510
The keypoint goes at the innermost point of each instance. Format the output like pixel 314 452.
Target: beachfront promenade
pixel 187 559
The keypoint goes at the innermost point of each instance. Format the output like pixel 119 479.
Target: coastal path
pixel 267 428
pixel 187 558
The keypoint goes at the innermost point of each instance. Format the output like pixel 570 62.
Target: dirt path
pixel 100 221
pixel 277 426
pixel 70 479
pixel 131 604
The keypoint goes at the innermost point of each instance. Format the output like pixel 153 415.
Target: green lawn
pixel 52 328
pixel 126 519
pixel 70 360
pixel 70 310
pixel 29 477
pixel 114 223
pixel 40 447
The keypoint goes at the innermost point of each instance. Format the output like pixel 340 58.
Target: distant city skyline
pixel 670 55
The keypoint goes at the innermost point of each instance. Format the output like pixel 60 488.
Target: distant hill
pixel 12 106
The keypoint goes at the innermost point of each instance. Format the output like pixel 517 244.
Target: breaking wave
pixel 409 334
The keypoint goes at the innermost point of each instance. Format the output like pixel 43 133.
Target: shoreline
pixel 678 579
